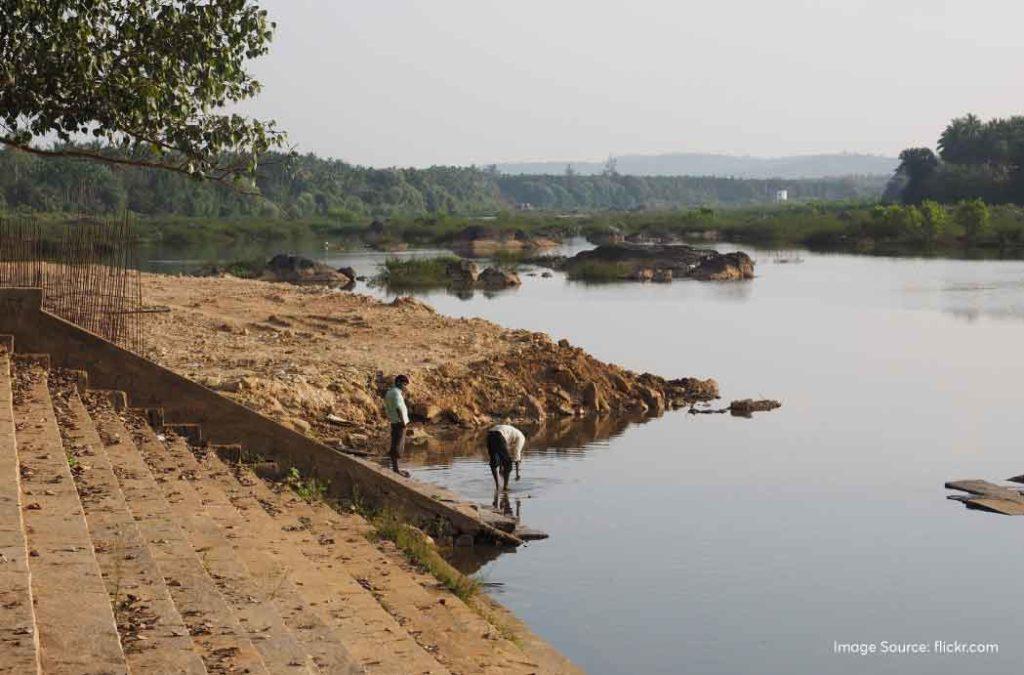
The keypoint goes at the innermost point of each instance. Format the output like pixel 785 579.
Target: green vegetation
pixel 976 160
pixel 421 552
pixel 416 272
pixel 598 271
pixel 145 77
pixel 310 490
pixel 339 196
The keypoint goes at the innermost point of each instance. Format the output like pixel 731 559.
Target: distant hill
pixel 697 164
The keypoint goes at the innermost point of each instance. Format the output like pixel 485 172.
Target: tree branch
pixel 222 178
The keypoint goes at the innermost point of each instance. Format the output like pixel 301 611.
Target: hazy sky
pixel 406 82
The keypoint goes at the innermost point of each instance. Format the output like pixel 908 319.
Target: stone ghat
pixel 126 548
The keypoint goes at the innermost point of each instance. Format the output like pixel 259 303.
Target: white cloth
pixel 515 441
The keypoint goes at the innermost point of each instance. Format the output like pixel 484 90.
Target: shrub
pixel 416 272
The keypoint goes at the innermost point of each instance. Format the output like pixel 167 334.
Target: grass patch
pixel 415 546
pixel 416 272
pixel 310 490
pixel 595 270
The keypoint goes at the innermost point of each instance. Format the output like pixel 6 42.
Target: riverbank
pixel 319 360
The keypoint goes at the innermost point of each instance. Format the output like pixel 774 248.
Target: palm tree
pixel 962 141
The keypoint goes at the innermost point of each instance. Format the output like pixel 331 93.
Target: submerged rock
pixel 746 407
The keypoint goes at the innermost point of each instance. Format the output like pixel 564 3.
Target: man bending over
pixel 504 447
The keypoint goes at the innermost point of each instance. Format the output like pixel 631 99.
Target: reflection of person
pixel 502 503
pixel 398 415
pixel 504 447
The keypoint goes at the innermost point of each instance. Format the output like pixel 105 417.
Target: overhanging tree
pixel 148 80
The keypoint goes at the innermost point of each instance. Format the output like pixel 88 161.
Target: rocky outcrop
pixel 496 278
pixel 726 267
pixel 478 240
pixel 295 269
pixel 463 273
pixel 662 262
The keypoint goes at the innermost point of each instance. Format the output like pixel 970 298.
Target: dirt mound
pixel 319 360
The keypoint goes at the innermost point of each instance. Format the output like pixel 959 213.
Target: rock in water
pixel 726 267
pixel 662 262
pixel 492 277
pixel 463 272
pixel 295 269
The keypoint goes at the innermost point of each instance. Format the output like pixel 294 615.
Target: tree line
pixel 975 160
pixel 289 186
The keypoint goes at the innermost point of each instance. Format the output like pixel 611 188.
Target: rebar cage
pixel 87 268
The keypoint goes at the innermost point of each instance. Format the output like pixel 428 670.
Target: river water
pixel 713 544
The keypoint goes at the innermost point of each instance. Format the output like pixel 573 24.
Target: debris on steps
pixel 216 633
pixel 19 652
pixel 74 617
pixel 412 597
pixel 152 631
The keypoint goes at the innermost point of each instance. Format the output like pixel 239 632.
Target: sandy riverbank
pixel 317 359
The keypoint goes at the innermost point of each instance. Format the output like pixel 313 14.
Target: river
pixel 714 544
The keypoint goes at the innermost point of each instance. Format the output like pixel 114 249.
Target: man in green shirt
pixel 398 415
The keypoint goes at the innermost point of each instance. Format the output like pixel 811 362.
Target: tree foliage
pixel 976 160
pixel 145 77
pixel 973 216
pixel 305 186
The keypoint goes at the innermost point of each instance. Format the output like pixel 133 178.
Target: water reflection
pixel 555 436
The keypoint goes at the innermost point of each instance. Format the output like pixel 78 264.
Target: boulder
pixel 647 261
pixel 494 278
pixel 693 389
pixel 463 272
pixel 425 412
pixel 727 267
pixel 746 407
pixel 533 408
pixel 593 400
pixel 296 269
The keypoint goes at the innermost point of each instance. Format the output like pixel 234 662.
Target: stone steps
pixel 255 544
pixel 73 613
pixel 124 549
pixel 19 648
pixel 217 635
pixel 375 639
pixel 457 636
pixel 153 634
pixel 252 601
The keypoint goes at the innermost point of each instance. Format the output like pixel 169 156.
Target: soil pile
pixel 319 360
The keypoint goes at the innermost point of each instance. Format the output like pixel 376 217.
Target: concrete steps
pixel 217 635
pixel 336 544
pixel 73 613
pixel 124 549
pixel 19 648
pixel 253 544
pixel 252 601
pixel 274 545
pixel 152 631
